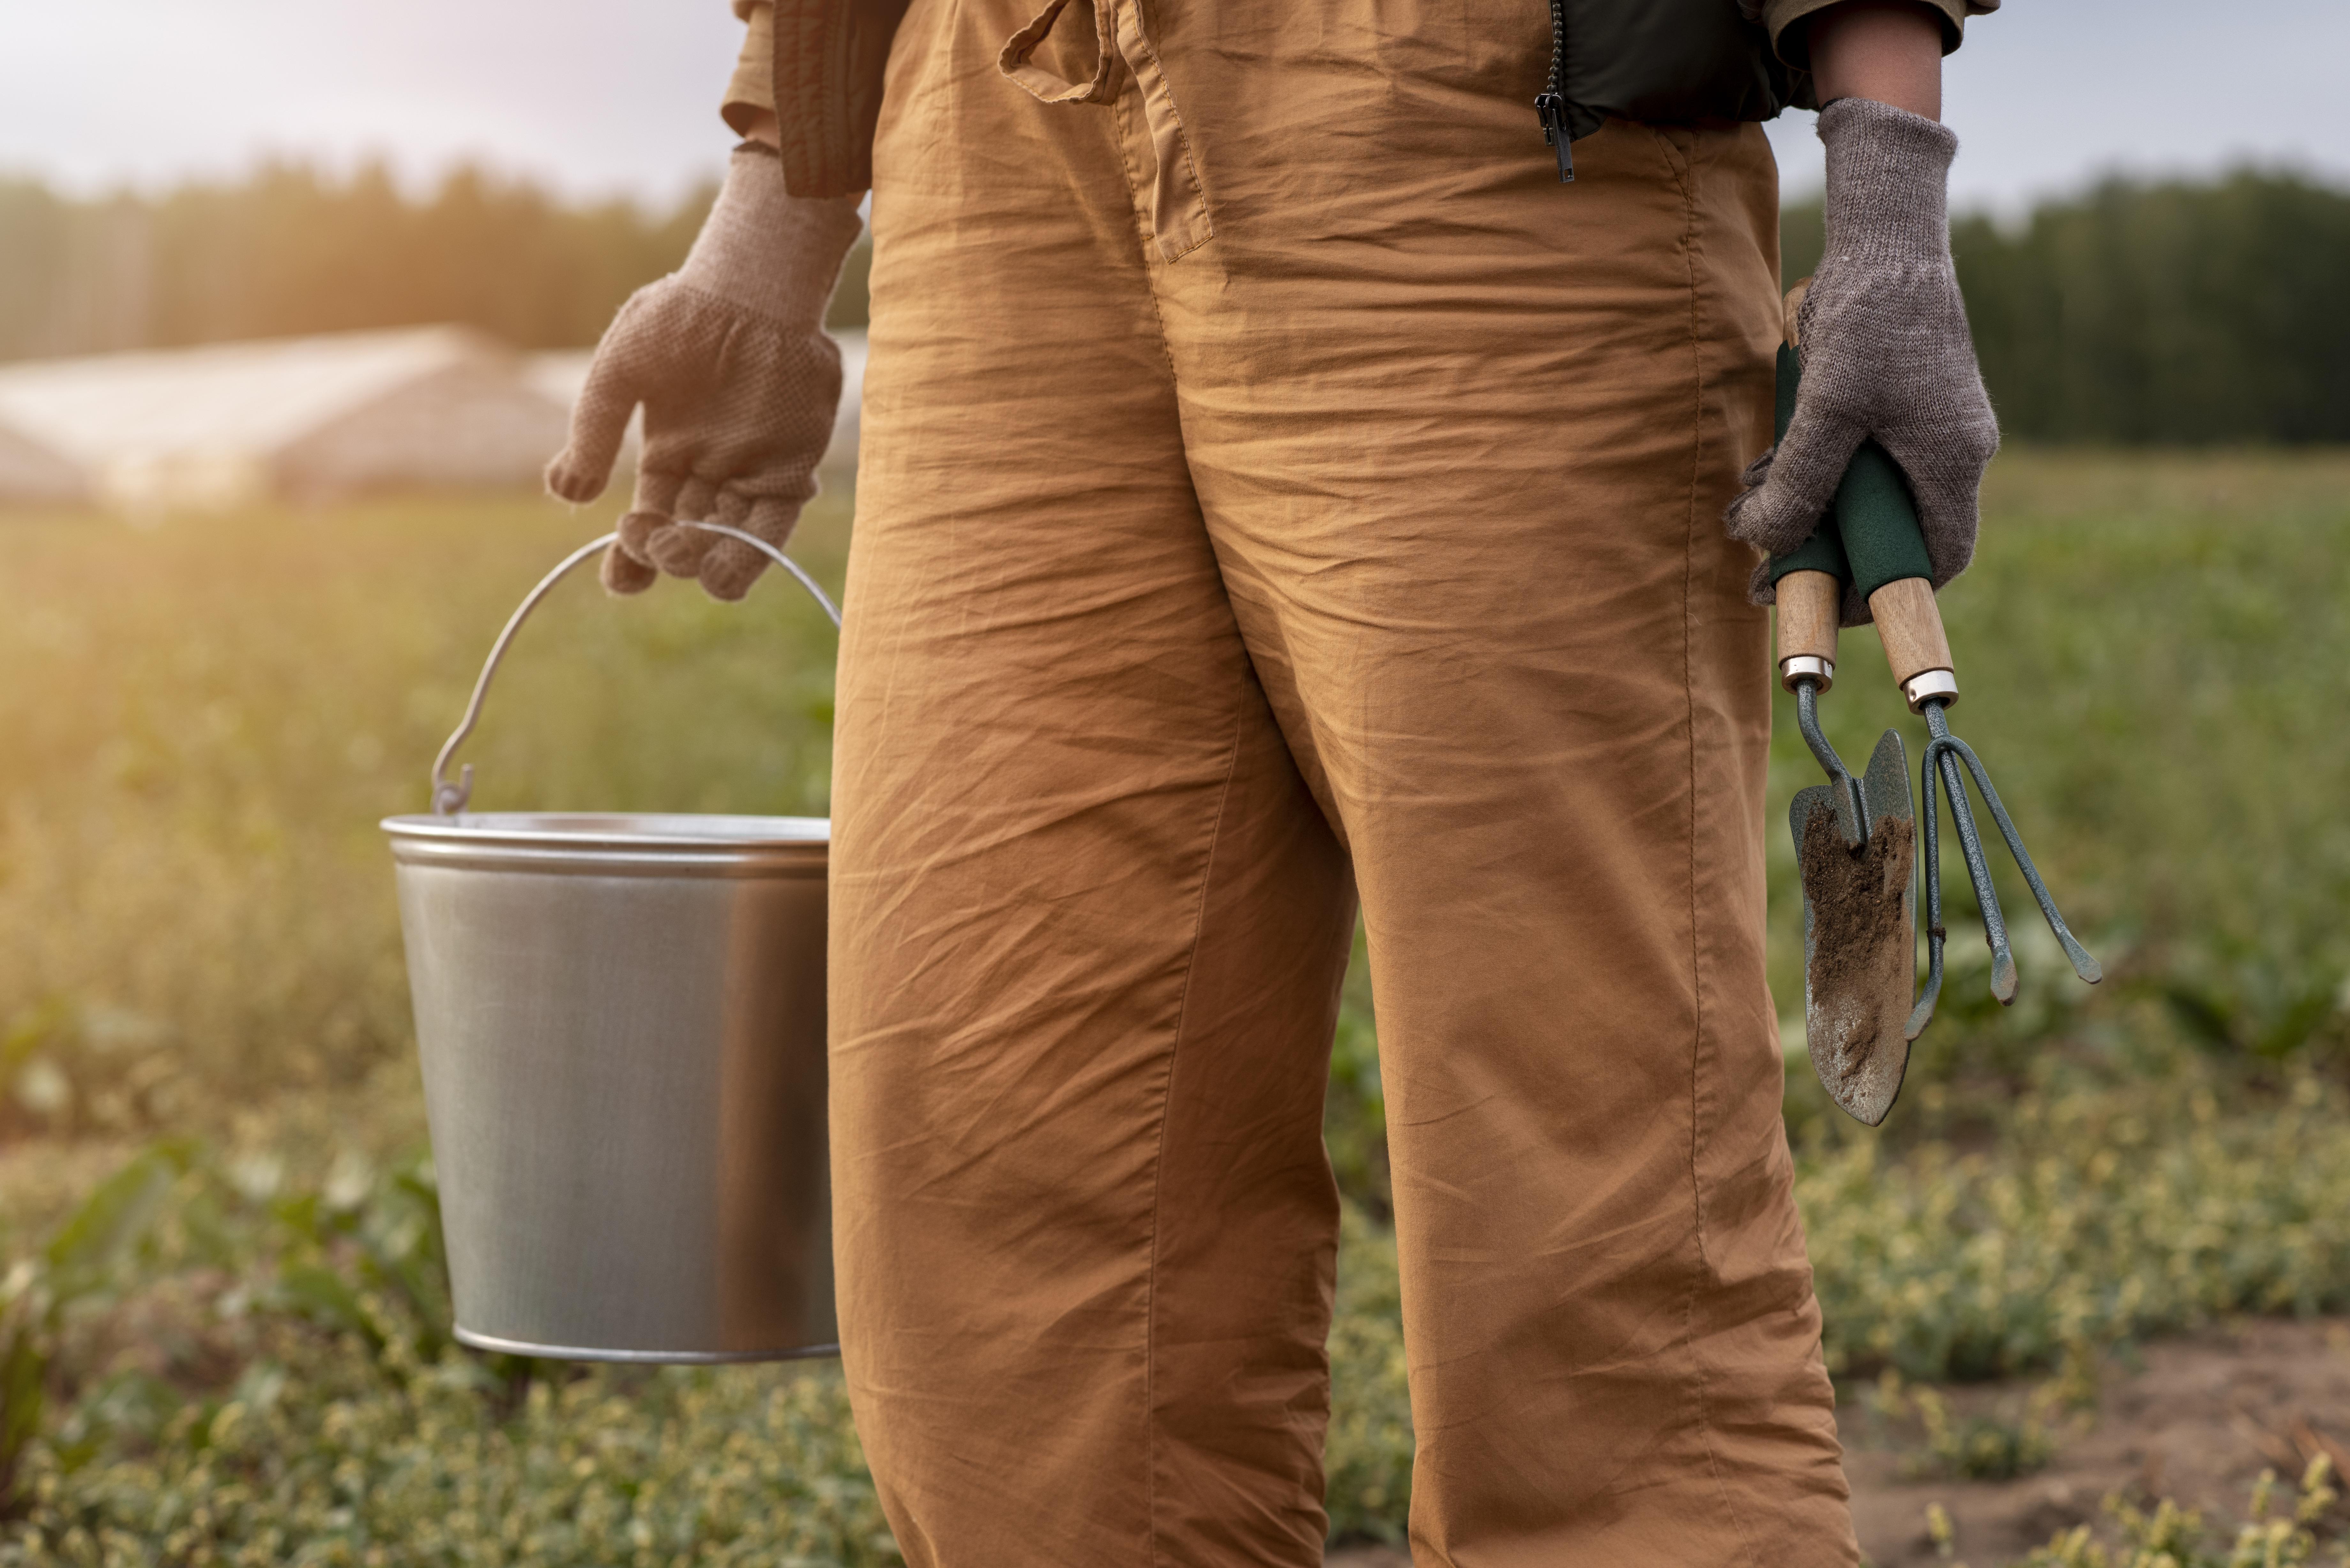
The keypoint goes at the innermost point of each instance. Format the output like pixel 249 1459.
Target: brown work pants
pixel 1277 485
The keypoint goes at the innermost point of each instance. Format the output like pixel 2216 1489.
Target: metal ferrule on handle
pixel 1917 649
pixel 1802 667
pixel 449 798
pixel 1933 686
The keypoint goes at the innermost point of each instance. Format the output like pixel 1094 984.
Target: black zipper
pixel 1550 104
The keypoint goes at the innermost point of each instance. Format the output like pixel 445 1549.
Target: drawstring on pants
pixel 1179 205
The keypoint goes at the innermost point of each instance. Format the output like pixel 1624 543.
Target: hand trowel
pixel 1855 838
pixel 1856 844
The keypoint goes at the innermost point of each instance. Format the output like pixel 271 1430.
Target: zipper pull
pixel 1551 109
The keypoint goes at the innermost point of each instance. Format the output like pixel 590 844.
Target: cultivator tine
pixel 1923 1014
pixel 1944 754
pixel 1939 759
pixel 2085 966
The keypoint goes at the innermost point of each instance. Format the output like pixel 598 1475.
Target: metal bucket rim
pixel 688 833
pixel 827 1352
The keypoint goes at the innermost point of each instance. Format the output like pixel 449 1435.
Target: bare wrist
pixel 760 125
pixel 1888 50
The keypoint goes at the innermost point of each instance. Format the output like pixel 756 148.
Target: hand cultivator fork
pixel 1944 753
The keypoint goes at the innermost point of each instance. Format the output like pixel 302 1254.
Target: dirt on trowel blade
pixel 1860 958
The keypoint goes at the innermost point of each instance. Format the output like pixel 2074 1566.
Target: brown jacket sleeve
pixel 752 87
pixel 1794 45
pixel 829 60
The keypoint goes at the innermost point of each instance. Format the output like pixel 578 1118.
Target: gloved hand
pixel 738 382
pixel 1883 334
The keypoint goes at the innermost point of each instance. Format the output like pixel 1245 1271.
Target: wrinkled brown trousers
pixel 1276 486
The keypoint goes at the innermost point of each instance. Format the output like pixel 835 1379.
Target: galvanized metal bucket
pixel 622 1025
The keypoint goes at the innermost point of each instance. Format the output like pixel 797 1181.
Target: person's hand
pixel 738 382
pixel 1883 334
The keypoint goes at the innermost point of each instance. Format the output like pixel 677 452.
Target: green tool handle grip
pixel 1870 535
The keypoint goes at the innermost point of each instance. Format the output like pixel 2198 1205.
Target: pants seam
pixel 1683 170
pixel 1149 244
pixel 1182 138
pixel 1158 1165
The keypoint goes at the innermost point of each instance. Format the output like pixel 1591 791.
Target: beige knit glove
pixel 1885 344
pixel 738 382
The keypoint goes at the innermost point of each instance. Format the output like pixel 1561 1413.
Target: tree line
pixel 2136 312
pixel 289 250
pixel 2157 312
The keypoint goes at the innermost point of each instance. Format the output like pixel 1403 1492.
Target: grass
pixel 222 1335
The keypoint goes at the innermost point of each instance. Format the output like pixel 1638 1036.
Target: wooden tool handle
pixel 1909 623
pixel 1808 605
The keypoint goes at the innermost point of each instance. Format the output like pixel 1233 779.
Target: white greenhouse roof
pixel 243 398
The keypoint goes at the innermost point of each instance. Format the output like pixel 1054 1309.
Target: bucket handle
pixel 448 799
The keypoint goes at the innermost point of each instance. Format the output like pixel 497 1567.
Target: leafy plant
pixel 2098 1217
pixel 81 1262
pixel 1982 1445
pixel 2168 1536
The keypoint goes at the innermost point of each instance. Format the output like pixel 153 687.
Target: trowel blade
pixel 1860 936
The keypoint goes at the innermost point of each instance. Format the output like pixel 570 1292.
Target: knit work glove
pixel 738 382
pixel 1885 347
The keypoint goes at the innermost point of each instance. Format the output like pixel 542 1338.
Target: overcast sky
pixel 600 96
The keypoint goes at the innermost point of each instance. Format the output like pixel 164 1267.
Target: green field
pixel 223 1337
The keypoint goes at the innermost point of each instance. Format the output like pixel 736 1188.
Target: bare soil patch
pixel 2194 1419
